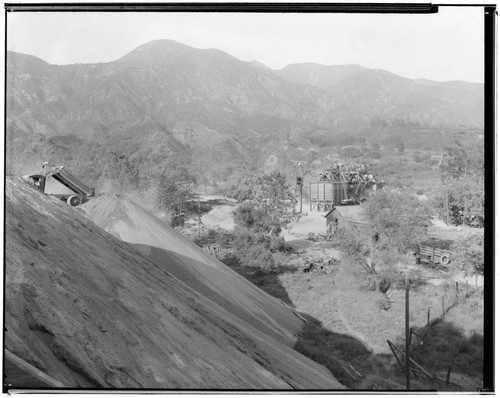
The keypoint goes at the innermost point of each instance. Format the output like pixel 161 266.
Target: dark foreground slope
pixel 91 311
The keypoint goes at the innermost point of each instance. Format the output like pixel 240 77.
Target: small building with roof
pixel 350 217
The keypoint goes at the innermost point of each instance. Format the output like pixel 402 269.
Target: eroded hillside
pixel 92 311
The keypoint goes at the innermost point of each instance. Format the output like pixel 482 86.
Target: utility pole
pixel 299 178
pixel 407 326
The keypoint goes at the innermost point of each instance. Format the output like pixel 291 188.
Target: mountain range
pixel 214 108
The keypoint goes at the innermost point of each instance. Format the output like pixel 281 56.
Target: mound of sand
pixel 130 222
pixel 219 217
pixel 162 244
pixel 90 310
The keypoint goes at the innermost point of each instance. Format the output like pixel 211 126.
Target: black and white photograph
pixel 248 198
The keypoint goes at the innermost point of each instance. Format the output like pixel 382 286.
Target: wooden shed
pixel 346 216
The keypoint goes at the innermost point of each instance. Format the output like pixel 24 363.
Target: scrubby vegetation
pixel 461 196
pixel 366 292
pixel 397 219
pixel 269 206
pixel 351 243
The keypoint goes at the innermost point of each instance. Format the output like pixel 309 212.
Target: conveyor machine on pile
pixel 77 191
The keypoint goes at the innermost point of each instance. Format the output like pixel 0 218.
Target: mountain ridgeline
pixel 210 111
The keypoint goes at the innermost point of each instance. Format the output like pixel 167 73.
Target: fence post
pixel 407 324
pixel 442 304
pixel 448 374
pixel 428 315
pixel 456 285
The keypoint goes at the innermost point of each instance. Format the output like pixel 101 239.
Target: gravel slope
pixel 92 311
pixel 201 271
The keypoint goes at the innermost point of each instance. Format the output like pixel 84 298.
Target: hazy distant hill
pixel 211 108
pixel 260 65
pixel 384 94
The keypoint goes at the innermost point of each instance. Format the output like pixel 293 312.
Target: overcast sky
pixel 444 46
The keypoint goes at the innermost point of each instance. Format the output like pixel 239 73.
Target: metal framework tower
pixel 342 184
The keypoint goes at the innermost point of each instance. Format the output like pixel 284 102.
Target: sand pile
pixel 219 217
pixel 162 244
pixel 130 222
pixel 92 311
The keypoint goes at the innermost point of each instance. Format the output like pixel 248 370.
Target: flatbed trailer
pixel 433 255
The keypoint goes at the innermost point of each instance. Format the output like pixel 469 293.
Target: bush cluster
pixel 469 253
pixel 462 201
pixel 350 243
pixel 398 218
pixel 256 249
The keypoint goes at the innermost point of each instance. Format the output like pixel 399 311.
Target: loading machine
pixel 80 192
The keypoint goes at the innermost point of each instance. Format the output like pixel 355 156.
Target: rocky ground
pixel 90 310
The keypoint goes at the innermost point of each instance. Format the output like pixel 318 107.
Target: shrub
pixel 398 218
pixel 465 204
pixel 278 244
pixel 350 243
pixel 469 254
pixel 258 257
pixel 174 196
pixel 250 216
pixel 254 250
pixel 224 239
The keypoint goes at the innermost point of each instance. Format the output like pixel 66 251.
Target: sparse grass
pixel 348 325
pixel 345 306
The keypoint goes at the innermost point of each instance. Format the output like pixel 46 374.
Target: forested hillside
pixel 204 116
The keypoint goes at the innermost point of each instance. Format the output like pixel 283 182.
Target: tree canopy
pixel 469 254
pixel 270 206
pixel 462 159
pixel 462 201
pixel 397 218
pixel 461 197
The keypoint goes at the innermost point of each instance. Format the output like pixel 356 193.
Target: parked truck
pixel 77 192
pixel 432 255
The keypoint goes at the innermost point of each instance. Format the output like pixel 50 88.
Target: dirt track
pixel 92 311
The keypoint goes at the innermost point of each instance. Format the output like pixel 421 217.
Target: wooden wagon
pixel 433 255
